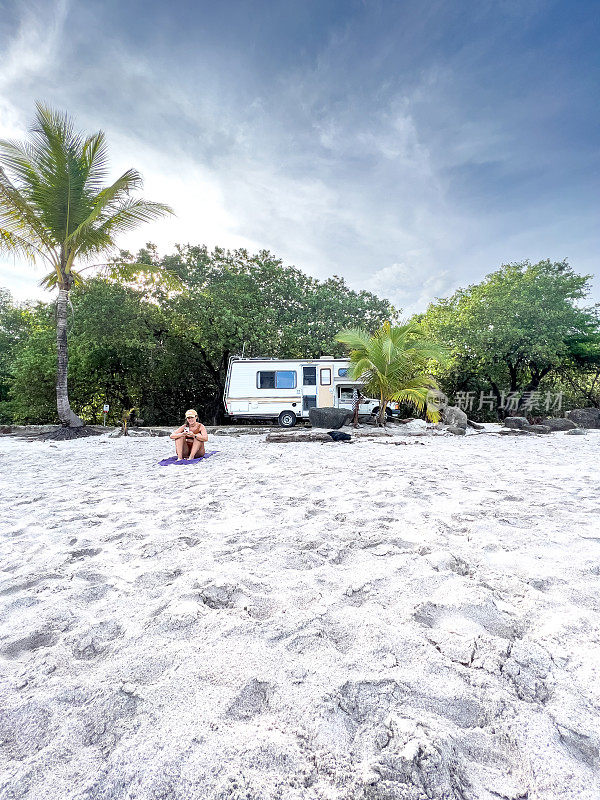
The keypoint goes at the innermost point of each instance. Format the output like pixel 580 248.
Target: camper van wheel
pixel 287 419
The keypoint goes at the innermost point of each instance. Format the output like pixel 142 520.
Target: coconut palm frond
pixel 51 280
pixel 391 364
pixel 95 159
pixel 132 213
pixel 106 203
pixel 429 349
pixel 17 158
pixel 362 368
pixel 20 217
pixel 61 172
pixel 18 246
pixel 425 382
pixel 353 338
pixel 418 398
pixel 128 271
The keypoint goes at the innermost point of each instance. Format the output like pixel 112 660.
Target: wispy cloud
pixel 32 50
pixel 397 147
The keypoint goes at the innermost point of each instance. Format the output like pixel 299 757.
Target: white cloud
pixel 332 175
pixel 34 47
pixel 406 285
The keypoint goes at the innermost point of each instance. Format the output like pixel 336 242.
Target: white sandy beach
pixel 301 621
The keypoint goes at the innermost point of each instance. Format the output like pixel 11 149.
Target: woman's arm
pixel 202 435
pixel 178 433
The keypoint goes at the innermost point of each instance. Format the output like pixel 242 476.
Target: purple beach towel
pixel 166 462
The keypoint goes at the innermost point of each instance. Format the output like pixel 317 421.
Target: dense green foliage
pixel 143 343
pixel 159 338
pixel 521 332
pixel 392 365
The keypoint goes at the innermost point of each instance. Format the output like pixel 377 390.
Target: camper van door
pixel 309 387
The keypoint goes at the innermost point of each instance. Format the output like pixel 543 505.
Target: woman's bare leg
pixel 197 450
pixel 181 448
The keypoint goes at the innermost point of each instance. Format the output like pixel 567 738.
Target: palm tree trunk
pixel 66 416
pixel 381 414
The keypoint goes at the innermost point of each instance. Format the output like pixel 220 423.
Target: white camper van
pixel 286 390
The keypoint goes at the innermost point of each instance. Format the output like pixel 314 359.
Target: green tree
pixel 519 326
pixel 144 341
pixel 578 378
pixel 32 385
pixel 124 353
pixel 233 302
pixel 55 209
pixel 114 357
pixel 392 365
pixel 14 329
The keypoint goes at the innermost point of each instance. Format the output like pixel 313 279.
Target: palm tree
pixel 54 209
pixel 392 363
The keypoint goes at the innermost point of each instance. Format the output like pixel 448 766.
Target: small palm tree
pixel 392 363
pixel 54 209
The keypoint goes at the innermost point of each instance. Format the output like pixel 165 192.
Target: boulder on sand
pixel 329 417
pixel 452 415
pixel 517 423
pixel 585 417
pixel 559 424
pixel 456 430
pixel 539 429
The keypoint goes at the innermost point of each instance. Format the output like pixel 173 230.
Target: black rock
pixel 559 424
pixel 585 417
pixel 329 417
pixel 517 423
pixel 454 416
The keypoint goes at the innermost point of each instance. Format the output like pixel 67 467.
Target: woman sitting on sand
pixel 190 437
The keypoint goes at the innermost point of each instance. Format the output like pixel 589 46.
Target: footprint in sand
pixel 95 641
pixel 27 644
pixel 85 552
pixel 107 719
pixel 255 698
pixel 24 731
pixel 187 541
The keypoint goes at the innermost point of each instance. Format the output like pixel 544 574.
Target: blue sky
pixel 411 147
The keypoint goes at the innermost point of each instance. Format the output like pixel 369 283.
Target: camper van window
pixel 285 379
pixel 265 380
pixel 325 377
pixel 309 376
pixel 282 379
pixel 343 372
